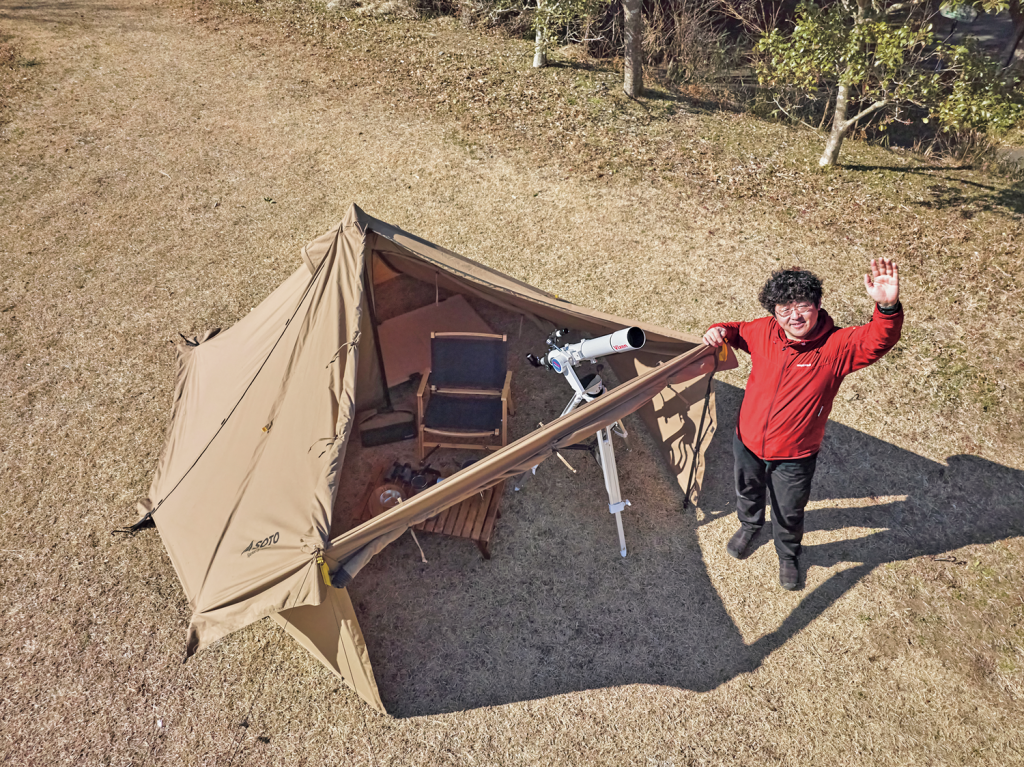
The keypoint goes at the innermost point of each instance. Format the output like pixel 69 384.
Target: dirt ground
pixel 161 168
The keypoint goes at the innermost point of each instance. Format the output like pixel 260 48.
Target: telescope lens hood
pixel 636 337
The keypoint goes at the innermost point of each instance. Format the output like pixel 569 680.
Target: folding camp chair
pixel 465 395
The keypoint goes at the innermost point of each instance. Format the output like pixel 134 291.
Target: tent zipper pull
pixel 324 571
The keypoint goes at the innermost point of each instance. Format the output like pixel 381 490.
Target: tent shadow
pixel 556 611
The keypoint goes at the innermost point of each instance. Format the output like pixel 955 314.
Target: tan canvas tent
pixel 246 483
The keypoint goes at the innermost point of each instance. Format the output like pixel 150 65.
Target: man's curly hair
pixel 786 286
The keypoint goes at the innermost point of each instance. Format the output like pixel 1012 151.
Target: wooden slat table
pixel 473 518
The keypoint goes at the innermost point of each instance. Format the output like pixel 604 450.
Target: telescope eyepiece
pixel 536 361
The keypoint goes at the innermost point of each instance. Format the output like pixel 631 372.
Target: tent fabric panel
pixel 244 525
pixel 330 632
pixel 222 506
pixel 301 586
pixel 292 429
pixel 224 407
pixel 315 417
pixel 430 264
pixel 230 359
pixel 673 417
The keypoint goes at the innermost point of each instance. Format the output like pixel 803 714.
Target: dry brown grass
pixel 9 75
pixel 160 171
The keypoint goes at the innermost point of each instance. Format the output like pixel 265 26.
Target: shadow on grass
pixel 556 611
pixel 951 194
pixel 656 90
pixel 594 65
pixel 56 12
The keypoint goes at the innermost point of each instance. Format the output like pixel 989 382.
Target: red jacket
pixel 793 383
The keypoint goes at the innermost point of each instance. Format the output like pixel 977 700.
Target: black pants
pixel 788 483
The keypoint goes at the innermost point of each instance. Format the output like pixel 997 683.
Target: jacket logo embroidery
pixel 805 364
pixel 255 546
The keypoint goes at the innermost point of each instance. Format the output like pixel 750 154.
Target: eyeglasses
pixel 785 311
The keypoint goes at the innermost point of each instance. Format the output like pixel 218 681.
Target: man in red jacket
pixel 798 360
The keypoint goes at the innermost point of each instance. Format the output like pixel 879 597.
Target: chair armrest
pixel 490 336
pixel 506 393
pixel 420 392
pixel 472 392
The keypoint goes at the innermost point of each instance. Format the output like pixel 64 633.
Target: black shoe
pixel 789 574
pixel 739 545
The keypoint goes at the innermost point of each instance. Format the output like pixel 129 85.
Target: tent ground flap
pixel 331 633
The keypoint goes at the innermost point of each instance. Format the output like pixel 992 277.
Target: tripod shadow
pixel 556 610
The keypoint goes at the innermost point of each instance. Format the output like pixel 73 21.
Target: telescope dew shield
pixel 625 340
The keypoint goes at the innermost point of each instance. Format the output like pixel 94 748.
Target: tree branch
pixel 902 6
pixel 783 110
pixel 864 113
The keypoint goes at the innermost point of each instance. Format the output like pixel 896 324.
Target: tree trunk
pixel 633 76
pixel 1013 56
pixel 840 125
pixel 540 49
pixel 840 128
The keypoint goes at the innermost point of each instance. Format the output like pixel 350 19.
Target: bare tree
pixel 540 48
pixel 633 75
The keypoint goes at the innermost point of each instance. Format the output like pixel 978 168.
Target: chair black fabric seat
pixel 463 413
pixel 463 362
pixel 464 397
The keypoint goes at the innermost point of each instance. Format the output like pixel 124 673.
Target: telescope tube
pixel 625 340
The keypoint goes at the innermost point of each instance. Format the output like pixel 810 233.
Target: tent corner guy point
pixel 243 502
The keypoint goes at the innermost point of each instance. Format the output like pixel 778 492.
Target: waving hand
pixel 883 284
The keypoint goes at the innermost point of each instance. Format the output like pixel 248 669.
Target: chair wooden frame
pixel 425 390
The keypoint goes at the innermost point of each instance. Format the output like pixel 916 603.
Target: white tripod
pixel 564 359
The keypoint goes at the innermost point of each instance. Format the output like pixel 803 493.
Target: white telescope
pixel 562 359
pixel 625 340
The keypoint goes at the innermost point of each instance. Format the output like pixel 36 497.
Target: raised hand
pixel 883 284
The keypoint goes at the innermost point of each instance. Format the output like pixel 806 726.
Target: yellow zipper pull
pixel 324 571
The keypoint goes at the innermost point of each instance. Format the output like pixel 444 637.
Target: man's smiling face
pixel 797 319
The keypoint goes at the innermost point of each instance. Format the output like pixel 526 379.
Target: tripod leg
pixel 611 482
pixel 622 535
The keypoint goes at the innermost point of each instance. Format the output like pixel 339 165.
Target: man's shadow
pixel 556 610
